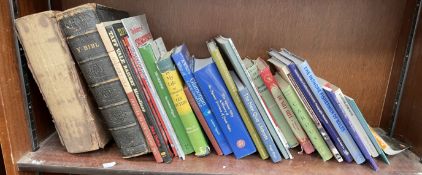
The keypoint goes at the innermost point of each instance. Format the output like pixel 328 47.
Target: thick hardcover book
pixel 218 97
pixel 183 61
pixel 313 108
pixel 304 119
pixel 138 34
pixel 224 72
pixel 79 27
pixel 366 127
pixel 118 33
pixel 149 59
pixel 175 87
pixel 115 53
pixel 270 103
pixel 233 56
pixel 75 116
pixel 350 114
pixel 257 119
pixel 304 75
pixel 271 84
pixel 203 122
pixel 350 127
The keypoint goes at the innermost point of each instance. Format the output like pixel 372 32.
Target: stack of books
pixel 166 102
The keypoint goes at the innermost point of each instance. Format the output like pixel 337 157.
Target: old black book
pixel 118 31
pixel 79 27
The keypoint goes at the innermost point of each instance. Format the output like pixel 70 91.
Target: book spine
pixel 349 125
pixel 320 113
pixel 175 87
pixel 217 96
pixel 286 110
pixel 365 126
pixel 92 58
pixel 272 106
pixel 260 125
pixel 202 121
pixel 224 72
pixel 329 110
pixel 137 87
pixel 306 121
pixel 186 72
pixel 149 60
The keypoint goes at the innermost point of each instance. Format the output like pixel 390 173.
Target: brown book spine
pixel 202 121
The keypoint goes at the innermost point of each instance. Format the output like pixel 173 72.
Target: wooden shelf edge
pixel 52 157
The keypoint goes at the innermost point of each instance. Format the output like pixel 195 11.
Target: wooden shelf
pixel 52 157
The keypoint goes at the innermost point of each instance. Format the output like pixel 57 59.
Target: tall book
pixel 224 72
pixel 324 126
pixel 75 116
pixel 304 118
pixel 304 74
pixel 203 122
pixel 174 84
pixel 233 56
pixel 257 120
pixel 149 59
pixel 271 84
pixel 217 96
pixel 270 103
pixel 78 25
pixel 367 128
pixel 184 61
pixel 138 34
pixel 350 127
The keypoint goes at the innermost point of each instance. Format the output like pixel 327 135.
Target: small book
pixel 78 25
pixel 218 98
pixel 184 61
pixel 174 85
pixel 271 84
pixel 76 118
pixel 257 119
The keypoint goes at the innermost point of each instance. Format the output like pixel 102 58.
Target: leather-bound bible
pixel 78 25
pixel 76 118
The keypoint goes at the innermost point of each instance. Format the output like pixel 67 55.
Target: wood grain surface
pixel 349 43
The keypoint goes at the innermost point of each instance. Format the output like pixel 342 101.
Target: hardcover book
pixel 257 119
pixel 78 25
pixel 136 27
pixel 271 84
pixel 78 122
pixel 183 60
pixel 233 56
pixel 299 69
pixel 222 68
pixel 218 98
pixel 175 87
pixel 270 103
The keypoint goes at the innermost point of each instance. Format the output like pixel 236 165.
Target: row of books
pixel 169 103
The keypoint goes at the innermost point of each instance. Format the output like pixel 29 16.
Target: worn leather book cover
pixel 79 28
pixel 75 116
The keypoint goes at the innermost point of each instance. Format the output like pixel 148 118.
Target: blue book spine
pixel 217 96
pixel 351 128
pixel 329 110
pixel 180 58
pixel 260 125
pixel 320 113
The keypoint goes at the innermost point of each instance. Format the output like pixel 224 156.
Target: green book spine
pixel 175 87
pixel 164 95
pixel 304 119
pixel 273 107
pixel 228 80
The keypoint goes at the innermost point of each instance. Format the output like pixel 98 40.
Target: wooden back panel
pixel 349 43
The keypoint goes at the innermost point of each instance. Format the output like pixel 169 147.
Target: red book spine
pixel 202 121
pixel 271 85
